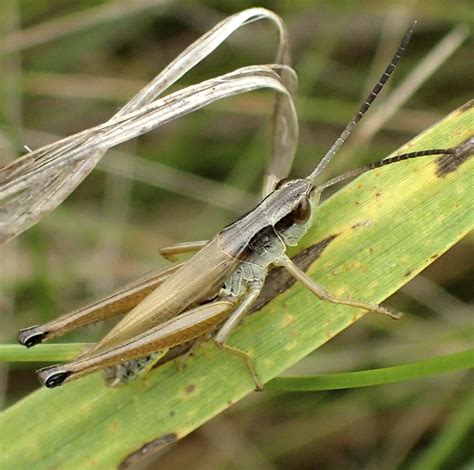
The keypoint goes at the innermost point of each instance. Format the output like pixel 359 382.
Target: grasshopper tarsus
pixel 245 356
pixel 394 315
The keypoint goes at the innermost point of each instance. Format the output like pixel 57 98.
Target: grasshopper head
pixel 296 208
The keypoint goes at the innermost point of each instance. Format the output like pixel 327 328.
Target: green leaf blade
pixel 390 224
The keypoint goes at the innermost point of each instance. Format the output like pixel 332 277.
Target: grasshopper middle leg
pixel 231 323
pixel 170 252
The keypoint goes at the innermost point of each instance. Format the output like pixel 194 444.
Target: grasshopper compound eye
pixel 302 211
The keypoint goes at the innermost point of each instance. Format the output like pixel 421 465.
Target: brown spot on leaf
pixel 362 223
pixel 148 449
pixel 116 426
pixel 190 388
pixel 449 163
pixel 407 273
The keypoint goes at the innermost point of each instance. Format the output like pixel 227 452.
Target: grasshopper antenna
pixel 365 106
pixel 460 152
pixel 388 161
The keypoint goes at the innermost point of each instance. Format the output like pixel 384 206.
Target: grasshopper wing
pixel 197 280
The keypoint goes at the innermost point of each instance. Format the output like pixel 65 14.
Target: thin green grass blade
pixel 42 353
pixel 386 226
pixel 415 370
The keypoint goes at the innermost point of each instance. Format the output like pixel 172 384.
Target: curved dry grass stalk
pixel 133 167
pixel 37 183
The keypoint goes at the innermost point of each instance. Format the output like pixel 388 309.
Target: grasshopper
pixel 209 294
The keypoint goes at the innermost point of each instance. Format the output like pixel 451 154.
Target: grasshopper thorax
pixel 283 216
pixel 260 237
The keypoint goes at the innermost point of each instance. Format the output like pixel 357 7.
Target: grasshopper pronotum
pixel 211 292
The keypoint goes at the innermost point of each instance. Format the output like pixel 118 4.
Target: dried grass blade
pixel 39 182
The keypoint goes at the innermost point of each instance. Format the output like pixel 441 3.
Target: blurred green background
pixel 66 66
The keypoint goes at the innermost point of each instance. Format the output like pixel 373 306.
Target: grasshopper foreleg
pixel 323 294
pixel 170 252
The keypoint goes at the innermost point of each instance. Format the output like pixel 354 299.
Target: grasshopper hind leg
pixel 120 302
pixel 116 375
pixel 128 371
pixel 32 335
